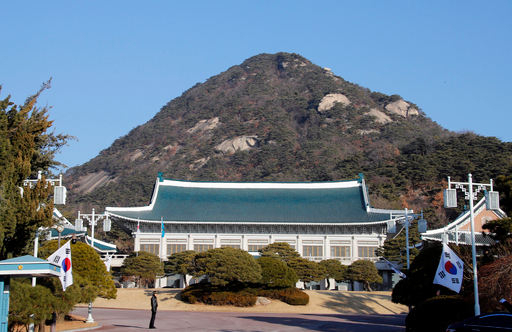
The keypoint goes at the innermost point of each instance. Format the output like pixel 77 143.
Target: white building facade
pixel 321 220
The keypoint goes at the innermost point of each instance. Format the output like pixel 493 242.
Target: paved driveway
pixel 137 320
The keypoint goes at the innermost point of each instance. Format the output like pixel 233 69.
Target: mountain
pixel 279 117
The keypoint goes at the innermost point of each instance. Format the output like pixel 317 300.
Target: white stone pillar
pixel 354 253
pixel 327 251
pixel 243 244
pixel 190 242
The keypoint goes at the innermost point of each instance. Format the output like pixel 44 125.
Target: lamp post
pixel 59 197
pixel 422 228
pixel 92 218
pixel 60 229
pixel 470 194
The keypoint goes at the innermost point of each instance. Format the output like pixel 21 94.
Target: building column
pixel 354 253
pixel 327 251
pixel 298 246
pixel 163 247
pixel 243 244
pixel 190 244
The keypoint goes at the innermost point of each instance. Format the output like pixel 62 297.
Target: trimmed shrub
pixel 436 313
pixel 240 296
pixel 207 294
pixel 275 273
pixel 292 296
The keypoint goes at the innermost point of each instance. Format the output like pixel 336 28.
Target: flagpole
pixel 492 201
pixel 473 247
pixel 162 238
pixel 407 237
pixel 137 234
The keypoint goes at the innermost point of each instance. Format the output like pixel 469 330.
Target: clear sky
pixel 116 63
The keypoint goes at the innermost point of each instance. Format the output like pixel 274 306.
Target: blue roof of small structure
pixel 316 202
pixel 67 232
pixel 28 266
pixel 101 246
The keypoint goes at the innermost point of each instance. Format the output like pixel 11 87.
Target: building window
pixel 202 247
pixel 366 252
pixel 340 251
pixel 152 248
pixel 256 247
pixel 312 251
pixel 236 246
pixel 173 248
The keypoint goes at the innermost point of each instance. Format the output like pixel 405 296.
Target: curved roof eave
pixel 247 222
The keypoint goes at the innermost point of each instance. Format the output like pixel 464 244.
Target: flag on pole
pixel 62 257
pixel 450 270
pixel 162 239
pixel 138 227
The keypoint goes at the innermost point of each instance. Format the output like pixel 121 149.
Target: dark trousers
pixel 152 321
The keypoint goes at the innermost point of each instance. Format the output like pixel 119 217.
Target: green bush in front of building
pixel 275 273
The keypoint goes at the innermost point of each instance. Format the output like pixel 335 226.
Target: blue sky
pixel 116 63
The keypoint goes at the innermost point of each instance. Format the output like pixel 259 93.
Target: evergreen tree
pixel 334 269
pixel 275 273
pixel 364 271
pixel 180 263
pixel 227 265
pixel 394 247
pixel 280 250
pixel 144 266
pixel 306 270
pixel 26 147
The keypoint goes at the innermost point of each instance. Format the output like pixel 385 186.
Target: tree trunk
pixel 328 284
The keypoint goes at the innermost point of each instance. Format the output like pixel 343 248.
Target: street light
pixel 408 218
pixel 422 228
pixel 492 201
pixel 92 218
pixel 60 229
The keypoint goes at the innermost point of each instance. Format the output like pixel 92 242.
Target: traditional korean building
pixel 321 220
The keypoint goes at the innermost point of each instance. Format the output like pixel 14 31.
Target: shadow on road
pixel 344 323
pixel 133 327
pixel 360 302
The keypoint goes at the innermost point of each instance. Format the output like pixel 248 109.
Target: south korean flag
pixel 62 257
pixel 450 270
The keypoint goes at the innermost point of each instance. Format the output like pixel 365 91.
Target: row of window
pixel 307 251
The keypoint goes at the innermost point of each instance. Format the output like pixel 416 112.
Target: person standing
pixel 154 306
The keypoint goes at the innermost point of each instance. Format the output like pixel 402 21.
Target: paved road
pixel 117 320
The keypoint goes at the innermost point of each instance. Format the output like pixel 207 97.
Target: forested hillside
pixel 278 117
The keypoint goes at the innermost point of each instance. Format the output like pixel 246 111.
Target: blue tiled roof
pixel 101 246
pixel 65 233
pixel 279 204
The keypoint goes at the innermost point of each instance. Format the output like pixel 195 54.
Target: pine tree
pixel 26 146
pixel 364 271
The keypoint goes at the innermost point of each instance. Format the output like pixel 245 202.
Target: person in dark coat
pixel 154 306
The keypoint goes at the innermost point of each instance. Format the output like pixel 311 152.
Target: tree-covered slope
pixel 278 117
